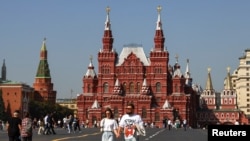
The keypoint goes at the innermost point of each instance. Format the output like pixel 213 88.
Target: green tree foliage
pixel 40 109
pixel 3 114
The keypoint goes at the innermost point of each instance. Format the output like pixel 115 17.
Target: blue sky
pixel 210 33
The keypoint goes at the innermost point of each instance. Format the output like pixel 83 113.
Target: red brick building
pixel 16 96
pixel 219 108
pixel 158 90
pixel 43 85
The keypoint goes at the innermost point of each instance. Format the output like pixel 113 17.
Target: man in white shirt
pixel 185 124
pixel 131 124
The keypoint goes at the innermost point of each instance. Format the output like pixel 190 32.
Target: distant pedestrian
pixel 41 126
pixel 169 124
pixel 27 126
pixel 77 125
pixel 70 123
pixel 14 127
pixel 185 124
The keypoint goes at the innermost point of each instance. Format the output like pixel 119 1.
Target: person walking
pixel 41 126
pixel 51 122
pixel 185 124
pixel 70 123
pixel 77 125
pixel 46 125
pixel 169 124
pixel 14 127
pixel 26 130
pixel 131 124
pixel 109 126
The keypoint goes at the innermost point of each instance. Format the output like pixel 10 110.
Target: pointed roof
pixel 228 82
pixel 166 105
pixel 138 51
pixel 159 35
pixel 209 85
pixel 107 22
pixel 95 105
pixel 117 83
pixel 43 48
pixel 188 75
pixel 177 70
pixel 158 23
pixel 107 39
pixel 145 88
pixel 90 71
pixel 144 82
pixel 43 70
pixel 117 87
pixel 4 71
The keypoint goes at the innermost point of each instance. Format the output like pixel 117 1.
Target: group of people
pixel 130 123
pixel 19 129
pixel 167 123
pixel 71 124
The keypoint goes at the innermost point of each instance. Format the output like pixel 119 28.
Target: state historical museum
pixel 158 90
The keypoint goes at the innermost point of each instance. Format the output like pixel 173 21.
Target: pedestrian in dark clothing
pixel 14 127
pixel 51 122
pixel 77 125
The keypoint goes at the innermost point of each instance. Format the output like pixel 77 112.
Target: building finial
pixel 44 39
pixel 209 69
pixel 159 9
pixel 91 58
pixel 228 69
pixel 107 9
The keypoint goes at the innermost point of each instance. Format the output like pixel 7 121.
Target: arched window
pixel 89 88
pixel 124 87
pixel 157 116
pixel 138 87
pixel 158 87
pixel 225 101
pixel 116 112
pixel 176 88
pixel 131 87
pixel 106 87
pixel 144 112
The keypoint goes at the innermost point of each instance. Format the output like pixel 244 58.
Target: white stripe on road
pixel 154 134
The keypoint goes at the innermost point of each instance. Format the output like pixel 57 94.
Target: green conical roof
pixel 43 69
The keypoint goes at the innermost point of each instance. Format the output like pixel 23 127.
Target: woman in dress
pixel 109 126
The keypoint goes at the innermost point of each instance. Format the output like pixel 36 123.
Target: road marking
pixel 154 134
pixel 66 138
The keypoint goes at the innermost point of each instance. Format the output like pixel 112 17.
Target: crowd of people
pixel 23 129
pixel 130 124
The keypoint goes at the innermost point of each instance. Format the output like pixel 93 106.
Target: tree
pixel 40 109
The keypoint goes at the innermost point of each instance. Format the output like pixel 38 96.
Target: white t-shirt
pixel 108 124
pixel 127 121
